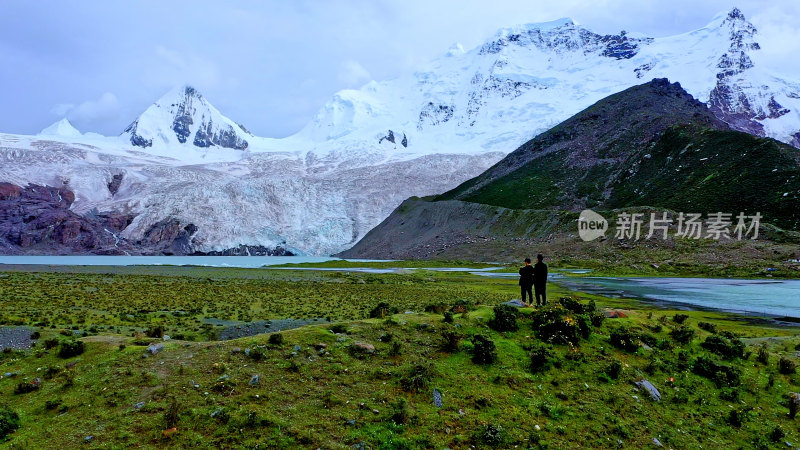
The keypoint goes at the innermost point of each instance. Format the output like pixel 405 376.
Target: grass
pixel 323 395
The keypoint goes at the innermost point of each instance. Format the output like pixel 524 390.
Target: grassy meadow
pixel 454 373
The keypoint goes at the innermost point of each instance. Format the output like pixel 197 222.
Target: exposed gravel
pixel 18 338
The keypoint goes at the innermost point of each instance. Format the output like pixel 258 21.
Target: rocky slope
pixel 650 145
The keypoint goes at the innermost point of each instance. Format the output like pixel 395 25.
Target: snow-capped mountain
pixel 61 128
pixel 184 116
pixel 366 150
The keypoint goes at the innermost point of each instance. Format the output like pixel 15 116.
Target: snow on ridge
pixel 62 128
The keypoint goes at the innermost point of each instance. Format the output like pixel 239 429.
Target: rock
pixel 409 312
pixel 247 352
pixel 154 348
pixel 516 302
pixel 223 378
pixel 139 405
pixel 88 439
pixel 9 375
pixel 254 380
pixel 437 398
pixel 657 443
pixel 216 413
pixel 363 348
pixel 166 337
pixel 297 348
pixel 537 427
pixel 351 422
pixel 648 386
pixel 236 350
pixel 614 314
pixel 70 364
pixel 320 347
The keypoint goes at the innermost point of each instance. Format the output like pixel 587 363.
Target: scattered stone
pixel 216 413
pixel 223 378
pixel 254 380
pixel 297 348
pixel 9 375
pixel 236 350
pixel 648 386
pixel 516 302
pixel 375 411
pixel 139 405
pixel 320 347
pixel 409 312
pixel 437 398
pixel 537 427
pixel 351 422
pixel 657 443
pixel 654 266
pixel 166 337
pixel 363 348
pixel 247 352
pixel 88 439
pixel 154 348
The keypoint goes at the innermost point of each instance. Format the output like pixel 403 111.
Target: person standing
pixel 540 280
pixel 526 281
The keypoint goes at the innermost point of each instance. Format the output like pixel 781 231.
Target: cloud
pixel 90 112
pixel 353 74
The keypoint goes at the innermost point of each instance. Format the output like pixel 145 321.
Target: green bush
pixel 338 328
pixel 557 325
pixel 540 358
pixel 25 387
pixel 491 436
pixel 624 339
pixel 275 339
pixel 450 339
pixel 448 317
pixel 9 421
pixel 613 370
pixel 726 346
pixel 68 349
pixel 504 319
pixel 155 332
pixel 382 310
pixel 721 374
pixel 682 334
pixel 708 326
pixel 483 350
pixel 763 354
pixel 400 413
pixel 417 377
pixel 786 366
pixel 679 318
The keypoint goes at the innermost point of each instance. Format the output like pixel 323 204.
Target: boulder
pixel 648 386
pixel 362 348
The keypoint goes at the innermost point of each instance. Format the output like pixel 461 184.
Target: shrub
pixel 382 310
pixel 624 339
pixel 68 349
pixel 462 306
pixel 777 434
pixel 35 335
pixel 483 351
pixel 708 326
pixel 437 308
pixel 171 413
pixel 786 366
pixel 679 318
pixel 400 413
pixel 257 353
pixel 556 325
pixel 727 347
pixel 155 332
pixel 450 339
pixel 9 421
pixel 448 317
pixel 417 377
pixel 682 334
pixel 50 343
pixel 737 417
pixel 26 387
pixel 505 318
pixel 540 358
pixel 275 339
pixel 721 374
pixel 491 435
pixel 338 328
pixel 613 370
pixel 52 404
pixel 396 349
pixel 763 354
pixel 597 318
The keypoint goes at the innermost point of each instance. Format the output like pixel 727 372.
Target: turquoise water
pixel 210 261
pixel 779 298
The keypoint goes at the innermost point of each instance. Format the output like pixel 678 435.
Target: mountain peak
pixel 183 116
pixel 62 128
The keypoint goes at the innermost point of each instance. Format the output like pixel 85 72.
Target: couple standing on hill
pixel 536 277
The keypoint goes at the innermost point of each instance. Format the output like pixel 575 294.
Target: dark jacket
pixel 540 273
pixel 526 276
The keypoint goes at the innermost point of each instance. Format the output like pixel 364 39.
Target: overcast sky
pixel 270 65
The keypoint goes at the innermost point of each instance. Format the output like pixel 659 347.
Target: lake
pixel 209 261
